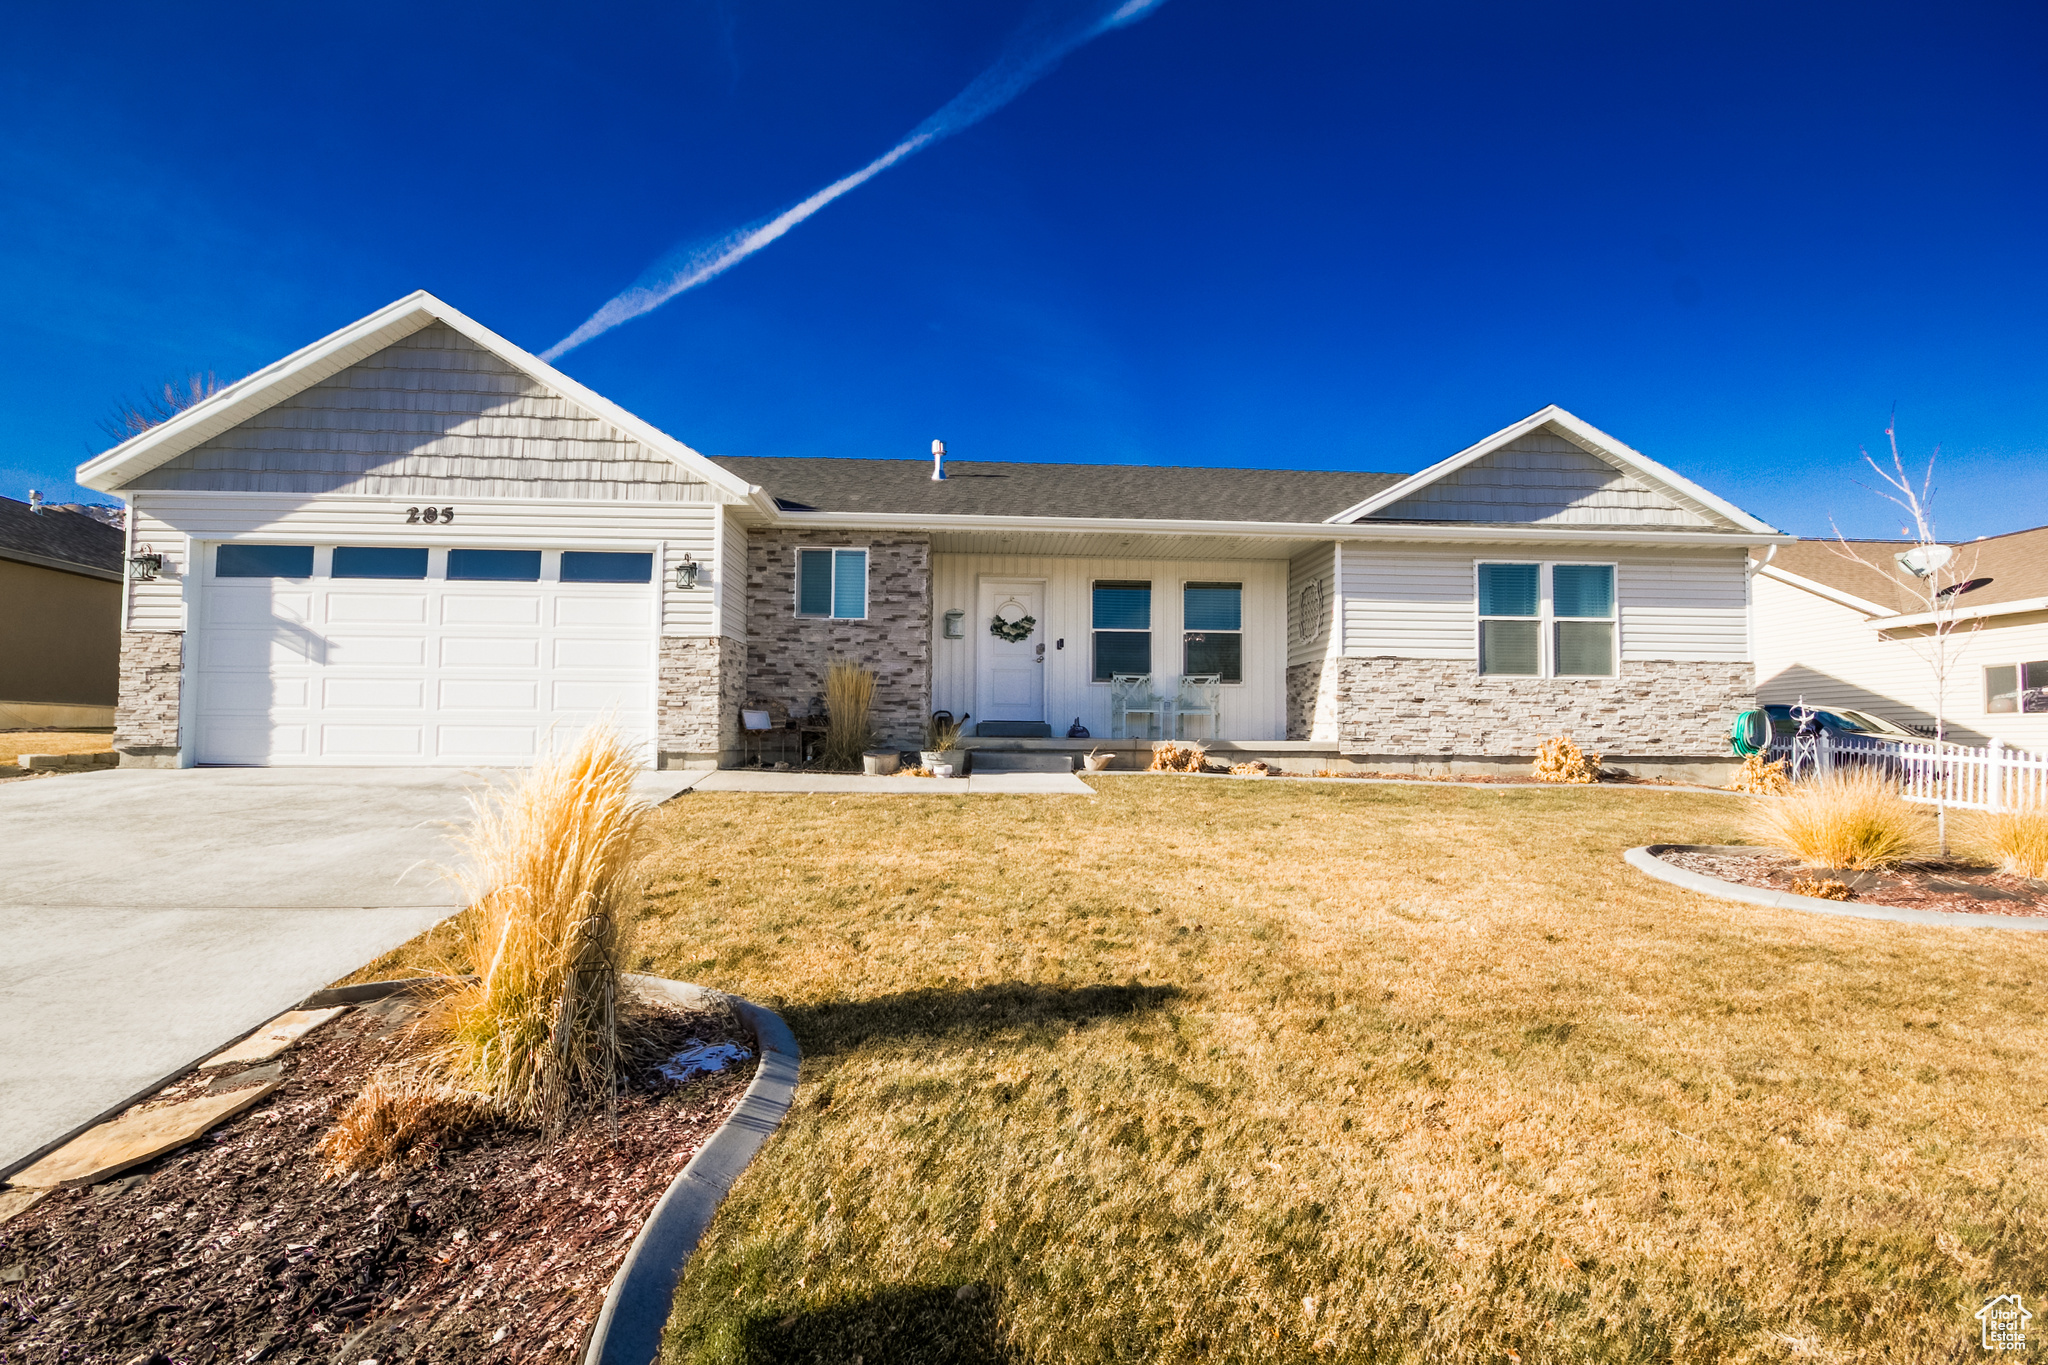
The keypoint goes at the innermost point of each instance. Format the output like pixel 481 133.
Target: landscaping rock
pixel 254 1076
pixel 135 1138
pixel 106 758
pixel 274 1037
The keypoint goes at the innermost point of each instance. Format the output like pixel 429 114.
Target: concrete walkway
pixel 148 916
pixel 840 784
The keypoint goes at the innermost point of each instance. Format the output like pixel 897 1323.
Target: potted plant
pixel 942 742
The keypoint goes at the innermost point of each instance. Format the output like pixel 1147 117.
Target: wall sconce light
pixel 686 573
pixel 144 564
pixel 956 627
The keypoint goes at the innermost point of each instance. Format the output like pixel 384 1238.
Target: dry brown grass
pixel 549 870
pixel 1846 820
pixel 1827 889
pixel 400 1118
pixel 1171 757
pixel 1267 1071
pixel 15 743
pixel 849 700
pixel 1562 760
pixel 2018 839
pixel 1762 776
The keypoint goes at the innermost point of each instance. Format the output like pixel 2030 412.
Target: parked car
pixel 1841 722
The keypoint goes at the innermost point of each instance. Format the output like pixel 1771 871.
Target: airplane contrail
pixel 1030 56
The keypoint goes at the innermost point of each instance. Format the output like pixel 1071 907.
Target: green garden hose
pixel 1751 733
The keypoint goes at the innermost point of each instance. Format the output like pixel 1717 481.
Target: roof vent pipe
pixel 938 461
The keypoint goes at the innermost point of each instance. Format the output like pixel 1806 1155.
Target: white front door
pixel 1009 676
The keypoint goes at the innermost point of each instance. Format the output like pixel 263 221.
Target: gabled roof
pixel 994 489
pixel 57 539
pixel 330 355
pixel 2016 565
pixel 1582 434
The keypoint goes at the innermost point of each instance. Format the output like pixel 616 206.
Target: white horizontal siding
pixel 1829 654
pixel 1309 631
pixel 1255 709
pixel 170 518
pixel 1419 603
pixel 434 416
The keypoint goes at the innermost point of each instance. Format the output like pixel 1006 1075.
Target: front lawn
pixel 1247 1071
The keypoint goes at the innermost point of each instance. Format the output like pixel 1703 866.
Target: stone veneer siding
pixel 787 654
pixel 1303 682
pixel 146 714
pixel 1658 708
pixel 702 681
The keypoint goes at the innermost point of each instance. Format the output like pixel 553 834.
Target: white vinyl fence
pixel 1993 778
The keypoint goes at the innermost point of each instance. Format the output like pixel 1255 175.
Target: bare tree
pixel 132 417
pixel 1927 580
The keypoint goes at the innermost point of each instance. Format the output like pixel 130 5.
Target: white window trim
pixel 1546 618
pixel 1151 586
pixel 2019 685
pixel 1185 632
pixel 867 593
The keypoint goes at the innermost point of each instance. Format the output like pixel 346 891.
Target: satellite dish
pixel 1923 561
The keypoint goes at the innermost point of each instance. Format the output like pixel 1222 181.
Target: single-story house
pixel 60 617
pixel 1843 633
pixel 413 542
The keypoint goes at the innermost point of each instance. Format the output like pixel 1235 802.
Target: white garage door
pixel 437 655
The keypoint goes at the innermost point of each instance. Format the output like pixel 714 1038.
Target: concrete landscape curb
pixel 636 1307
pixel 1647 859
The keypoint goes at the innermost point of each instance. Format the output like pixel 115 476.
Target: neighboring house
pixel 1838 633
pixel 60 617
pixel 414 542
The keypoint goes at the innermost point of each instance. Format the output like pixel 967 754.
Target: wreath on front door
pixel 1016 632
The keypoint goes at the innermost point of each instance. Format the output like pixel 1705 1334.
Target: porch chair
pixel 1131 694
pixel 1200 695
pixel 757 727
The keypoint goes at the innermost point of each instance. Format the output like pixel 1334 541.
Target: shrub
pixel 1761 777
pixel 2020 839
pixel 941 735
pixel 849 696
pixel 536 1028
pixel 400 1118
pixel 1828 890
pixel 1170 757
pixel 1560 760
pixel 1847 820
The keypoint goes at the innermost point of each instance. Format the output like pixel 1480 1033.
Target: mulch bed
pixel 1962 888
pixel 239 1247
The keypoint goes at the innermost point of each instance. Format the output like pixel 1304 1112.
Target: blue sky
pixel 1299 234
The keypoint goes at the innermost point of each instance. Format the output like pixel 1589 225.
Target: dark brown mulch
pixel 1962 888
pixel 239 1247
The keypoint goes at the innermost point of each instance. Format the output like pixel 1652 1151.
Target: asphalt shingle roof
pixel 58 537
pixel 990 488
pixel 2016 564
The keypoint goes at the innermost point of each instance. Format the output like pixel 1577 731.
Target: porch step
pixel 996 761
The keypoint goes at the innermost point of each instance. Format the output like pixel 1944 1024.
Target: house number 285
pixel 429 515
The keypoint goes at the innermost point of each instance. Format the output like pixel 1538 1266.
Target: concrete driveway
pixel 148 916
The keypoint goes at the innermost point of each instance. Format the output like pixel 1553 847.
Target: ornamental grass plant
pixel 1560 759
pixel 1848 819
pixel 2018 839
pixel 533 1023
pixel 849 702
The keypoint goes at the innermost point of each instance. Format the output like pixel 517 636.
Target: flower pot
pixel 880 764
pixel 930 758
pixel 956 759
pixel 1097 762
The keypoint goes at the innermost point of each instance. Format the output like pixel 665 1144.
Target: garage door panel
pixel 601 611
pixel 241 606
pixel 487 741
pixel 379 651
pixel 359 694
pixel 371 741
pixel 256 692
pixel 253 649
pixel 523 609
pixel 489 694
pixel 569 694
pixel 378 608
pixel 576 652
pixel 232 740
pixel 490 651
